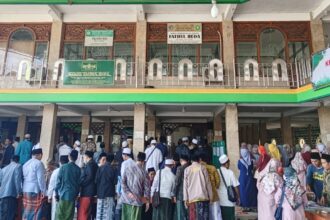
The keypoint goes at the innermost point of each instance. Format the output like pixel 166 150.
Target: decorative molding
pixel 42 32
pixel 158 31
pixel 124 32
pixel 294 31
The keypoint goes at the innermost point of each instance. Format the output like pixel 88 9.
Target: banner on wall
pixel 321 69
pixel 184 33
pixel 89 72
pixel 98 38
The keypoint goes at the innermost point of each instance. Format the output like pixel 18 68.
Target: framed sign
pixel 184 33
pixel 89 72
pixel 321 69
pixel 98 38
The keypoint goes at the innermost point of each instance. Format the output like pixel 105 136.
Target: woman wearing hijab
pixel 306 154
pixel 268 184
pixel 293 196
pixel 274 152
pixel 263 159
pixel 300 166
pixel 248 189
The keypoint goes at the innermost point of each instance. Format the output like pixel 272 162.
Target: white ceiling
pixel 252 10
pixel 277 6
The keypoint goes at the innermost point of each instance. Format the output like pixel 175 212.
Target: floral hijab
pixel 270 180
pixel 298 163
pixel 293 190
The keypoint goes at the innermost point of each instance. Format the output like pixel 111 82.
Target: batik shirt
pixel 134 180
pixel 326 186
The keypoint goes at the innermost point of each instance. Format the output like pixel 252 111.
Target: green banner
pixel 321 69
pixel 89 72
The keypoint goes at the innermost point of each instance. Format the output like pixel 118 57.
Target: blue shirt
pixel 314 179
pixel 24 151
pixel 11 180
pixel 68 180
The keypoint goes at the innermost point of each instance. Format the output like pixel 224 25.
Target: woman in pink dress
pixel 268 183
pixel 294 199
pixel 300 166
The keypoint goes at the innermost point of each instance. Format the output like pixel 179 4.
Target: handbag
pixel 156 196
pixel 230 190
pixel 279 209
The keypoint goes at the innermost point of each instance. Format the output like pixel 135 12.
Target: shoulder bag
pixel 230 190
pixel 279 209
pixel 156 196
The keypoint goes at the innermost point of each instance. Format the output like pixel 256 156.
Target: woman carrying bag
pixel 290 197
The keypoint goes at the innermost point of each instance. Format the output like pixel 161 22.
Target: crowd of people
pixel 86 182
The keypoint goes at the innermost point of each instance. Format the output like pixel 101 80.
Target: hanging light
pixel 214 9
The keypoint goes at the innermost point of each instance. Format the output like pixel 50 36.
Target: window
pixel 123 50
pixel 159 51
pixel 183 51
pixel 298 51
pixel 326 28
pixel 21 47
pixel 246 50
pixel 272 45
pixel 73 51
pixel 3 45
pixel 97 53
pixel 209 51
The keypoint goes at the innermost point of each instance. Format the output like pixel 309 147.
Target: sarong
pixel 85 208
pixel 32 206
pixel 164 211
pixel 105 209
pixel 228 213
pixel 8 208
pixel 131 212
pixel 215 211
pixel 199 210
pixel 65 210
pixel 180 211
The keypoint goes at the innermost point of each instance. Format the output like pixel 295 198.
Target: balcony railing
pixel 156 74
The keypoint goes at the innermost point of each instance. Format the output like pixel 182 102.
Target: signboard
pixel 98 38
pixel 321 69
pixel 184 33
pixel 89 72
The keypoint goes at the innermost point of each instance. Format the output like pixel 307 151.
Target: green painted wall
pixel 148 96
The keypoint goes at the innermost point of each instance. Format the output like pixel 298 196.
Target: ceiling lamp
pixel 214 9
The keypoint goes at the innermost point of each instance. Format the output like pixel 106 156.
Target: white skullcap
pixel 194 141
pixel 36 147
pixel 90 137
pixel 169 162
pixel 127 151
pixel 27 136
pixel 153 142
pixel 77 142
pixel 124 144
pixel 223 159
pixel 320 147
pixel 185 139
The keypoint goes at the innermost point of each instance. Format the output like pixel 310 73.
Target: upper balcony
pixel 23 71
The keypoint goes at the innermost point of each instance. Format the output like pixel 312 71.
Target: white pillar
pixel 85 127
pixel 21 126
pixel 324 121
pixel 139 127
pixel 232 136
pixel 48 130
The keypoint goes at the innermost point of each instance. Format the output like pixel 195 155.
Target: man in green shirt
pixel 67 188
